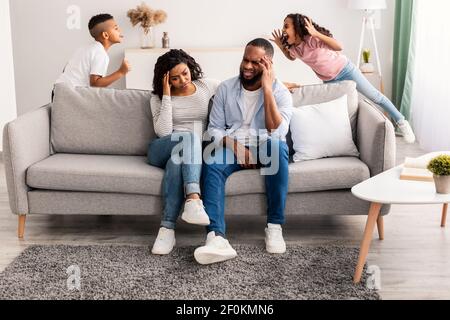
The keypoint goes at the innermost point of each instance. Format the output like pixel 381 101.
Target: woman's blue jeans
pixel 351 72
pixel 180 154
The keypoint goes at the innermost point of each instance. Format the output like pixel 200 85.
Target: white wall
pixel 43 44
pixel 7 91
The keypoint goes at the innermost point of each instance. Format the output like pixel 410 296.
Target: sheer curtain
pixel 430 74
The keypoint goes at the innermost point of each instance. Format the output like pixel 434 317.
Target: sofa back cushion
pixel 101 121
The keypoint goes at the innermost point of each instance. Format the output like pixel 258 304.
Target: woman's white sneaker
pixel 165 241
pixel 274 239
pixel 406 130
pixel 194 213
pixel 217 249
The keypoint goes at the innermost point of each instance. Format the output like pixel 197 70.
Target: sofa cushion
pixel 96 173
pixel 308 176
pixel 132 175
pixel 100 121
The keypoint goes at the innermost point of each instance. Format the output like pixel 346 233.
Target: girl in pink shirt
pixel 303 39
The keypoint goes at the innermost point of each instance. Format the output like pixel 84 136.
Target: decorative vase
pixel 367 68
pixel 442 184
pixel 148 39
pixel 165 40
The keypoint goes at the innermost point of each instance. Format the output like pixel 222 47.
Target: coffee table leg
pixel 367 239
pixel 380 225
pixel 444 215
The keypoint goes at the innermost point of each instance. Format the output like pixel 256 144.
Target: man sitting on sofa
pixel 248 123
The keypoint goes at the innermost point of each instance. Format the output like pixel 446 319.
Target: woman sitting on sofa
pixel 179 105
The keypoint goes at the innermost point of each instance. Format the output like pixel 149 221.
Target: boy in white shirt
pixel 88 66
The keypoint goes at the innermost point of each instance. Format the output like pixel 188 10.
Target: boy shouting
pixel 89 64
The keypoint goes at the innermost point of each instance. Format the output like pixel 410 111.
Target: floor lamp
pixel 369 7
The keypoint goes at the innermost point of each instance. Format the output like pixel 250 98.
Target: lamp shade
pixel 367 4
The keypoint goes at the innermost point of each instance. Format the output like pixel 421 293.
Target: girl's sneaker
pixel 407 132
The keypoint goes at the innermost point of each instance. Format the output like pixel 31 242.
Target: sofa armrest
pixel 375 138
pixel 26 141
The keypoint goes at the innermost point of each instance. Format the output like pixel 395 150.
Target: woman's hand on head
pixel 166 84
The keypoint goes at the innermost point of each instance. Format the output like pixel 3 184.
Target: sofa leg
pixel 380 225
pixel 21 229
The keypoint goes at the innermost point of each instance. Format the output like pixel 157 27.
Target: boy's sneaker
pixel 165 241
pixel 217 249
pixel 274 239
pixel 194 213
pixel 406 130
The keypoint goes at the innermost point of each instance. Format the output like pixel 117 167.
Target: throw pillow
pixel 322 131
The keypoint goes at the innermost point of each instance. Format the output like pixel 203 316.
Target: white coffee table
pixel 387 188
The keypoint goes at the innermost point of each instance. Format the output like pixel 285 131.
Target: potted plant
pixel 367 66
pixel 147 18
pixel 440 167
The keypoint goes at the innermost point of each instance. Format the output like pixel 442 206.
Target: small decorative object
pixel 147 18
pixel 165 40
pixel 366 67
pixel 440 167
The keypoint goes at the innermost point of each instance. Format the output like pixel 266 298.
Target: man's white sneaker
pixel 194 213
pixel 217 249
pixel 406 130
pixel 274 239
pixel 165 241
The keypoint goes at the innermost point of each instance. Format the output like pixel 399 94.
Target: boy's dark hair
pixel 263 43
pixel 167 62
pixel 96 20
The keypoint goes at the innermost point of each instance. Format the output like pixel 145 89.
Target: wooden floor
pixel 414 258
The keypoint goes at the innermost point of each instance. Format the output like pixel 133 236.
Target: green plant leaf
pixel 440 165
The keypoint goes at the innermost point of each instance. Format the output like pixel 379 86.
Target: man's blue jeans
pixel 181 175
pixel 223 163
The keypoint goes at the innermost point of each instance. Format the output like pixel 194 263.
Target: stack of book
pixel 415 169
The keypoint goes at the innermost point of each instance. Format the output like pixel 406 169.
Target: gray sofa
pixel 86 154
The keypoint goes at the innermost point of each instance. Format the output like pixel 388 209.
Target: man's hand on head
pixel 268 76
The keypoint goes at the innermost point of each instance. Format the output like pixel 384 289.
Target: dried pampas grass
pixel 146 16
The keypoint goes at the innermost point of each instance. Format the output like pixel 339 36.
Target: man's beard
pixel 249 82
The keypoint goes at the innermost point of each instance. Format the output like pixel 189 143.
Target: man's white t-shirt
pixel 89 60
pixel 244 134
